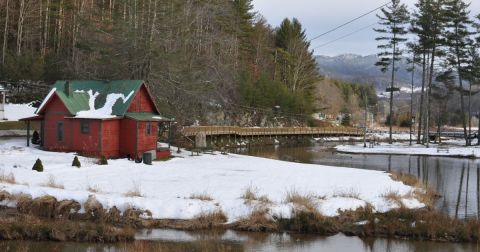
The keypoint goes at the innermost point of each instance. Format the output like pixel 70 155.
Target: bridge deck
pixel 286 131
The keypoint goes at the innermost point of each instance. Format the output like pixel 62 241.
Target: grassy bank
pixel 45 218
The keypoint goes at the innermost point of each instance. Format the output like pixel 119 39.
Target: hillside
pixel 361 69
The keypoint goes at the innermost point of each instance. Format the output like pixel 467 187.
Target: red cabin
pixel 100 118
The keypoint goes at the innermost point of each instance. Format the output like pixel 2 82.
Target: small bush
pixel 7 178
pixel 53 183
pixel 38 166
pixel 103 161
pixel 35 137
pixel 201 196
pixel 307 201
pixel 250 195
pixel 135 191
pixel 76 162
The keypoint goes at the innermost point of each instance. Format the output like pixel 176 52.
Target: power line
pixel 349 22
pixel 348 35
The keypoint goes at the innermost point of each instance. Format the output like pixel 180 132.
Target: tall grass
pixel 51 182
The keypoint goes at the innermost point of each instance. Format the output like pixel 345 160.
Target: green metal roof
pixel 147 117
pixel 70 92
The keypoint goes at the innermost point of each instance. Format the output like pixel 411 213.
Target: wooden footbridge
pixel 262 131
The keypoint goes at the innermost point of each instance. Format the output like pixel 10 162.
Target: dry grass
pixel 251 194
pixel 201 196
pixel 305 201
pixel 257 221
pixel 93 189
pixel 134 192
pixel 350 193
pixel 53 183
pixel 207 220
pixel 406 179
pixel 395 197
pixel 422 192
pixel 7 178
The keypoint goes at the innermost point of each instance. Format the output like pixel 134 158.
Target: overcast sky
pixel 319 16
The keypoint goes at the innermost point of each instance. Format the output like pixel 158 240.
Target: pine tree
pixel 35 137
pixel 393 19
pixel 38 166
pixel 428 25
pixel 297 66
pixel 76 162
pixel 458 42
pixel 103 161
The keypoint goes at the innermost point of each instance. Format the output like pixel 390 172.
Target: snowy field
pixel 14 112
pixel 167 187
pixel 416 149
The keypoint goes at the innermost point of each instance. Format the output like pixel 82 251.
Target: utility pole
pixel 365 98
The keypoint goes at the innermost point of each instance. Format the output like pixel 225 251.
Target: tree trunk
pixel 462 102
pixel 411 97
pixel 430 80
pixel 420 117
pixel 5 34
pixel 390 140
pixel 21 18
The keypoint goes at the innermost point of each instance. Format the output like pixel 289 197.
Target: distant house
pixel 99 118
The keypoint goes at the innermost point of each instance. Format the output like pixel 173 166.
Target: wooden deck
pixel 242 131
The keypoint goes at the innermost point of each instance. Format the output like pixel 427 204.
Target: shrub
pixel 35 137
pixel 53 183
pixel 76 162
pixel 103 161
pixel 38 166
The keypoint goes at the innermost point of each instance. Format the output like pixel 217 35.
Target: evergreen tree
pixel 76 162
pixel 35 137
pixel 393 19
pixel 458 42
pixel 428 25
pixel 297 66
pixel 38 166
pixel 103 161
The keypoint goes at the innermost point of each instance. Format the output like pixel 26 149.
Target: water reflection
pixel 171 240
pixel 457 180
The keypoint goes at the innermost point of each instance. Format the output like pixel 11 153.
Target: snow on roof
pixel 104 112
pixel 46 99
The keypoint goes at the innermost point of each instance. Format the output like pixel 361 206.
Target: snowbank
pixel 416 149
pixel 14 112
pixel 167 187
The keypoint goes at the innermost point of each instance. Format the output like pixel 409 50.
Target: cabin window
pixel 84 126
pixel 60 131
pixel 148 128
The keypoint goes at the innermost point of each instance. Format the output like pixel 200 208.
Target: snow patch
pixel 15 112
pixel 167 186
pixel 106 110
pixel 44 102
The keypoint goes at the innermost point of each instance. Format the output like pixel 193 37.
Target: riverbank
pixel 213 191
pixel 415 149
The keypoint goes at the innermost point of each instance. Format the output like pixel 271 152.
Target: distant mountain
pixel 362 69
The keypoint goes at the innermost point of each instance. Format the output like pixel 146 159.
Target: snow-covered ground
pixel 167 187
pixel 14 112
pixel 416 149
pixel 370 136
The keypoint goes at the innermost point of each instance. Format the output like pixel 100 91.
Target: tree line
pixel 441 42
pixel 197 55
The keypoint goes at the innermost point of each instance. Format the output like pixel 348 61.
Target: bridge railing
pixel 266 131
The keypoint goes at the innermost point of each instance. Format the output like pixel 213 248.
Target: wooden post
pixel 169 134
pixel 28 133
